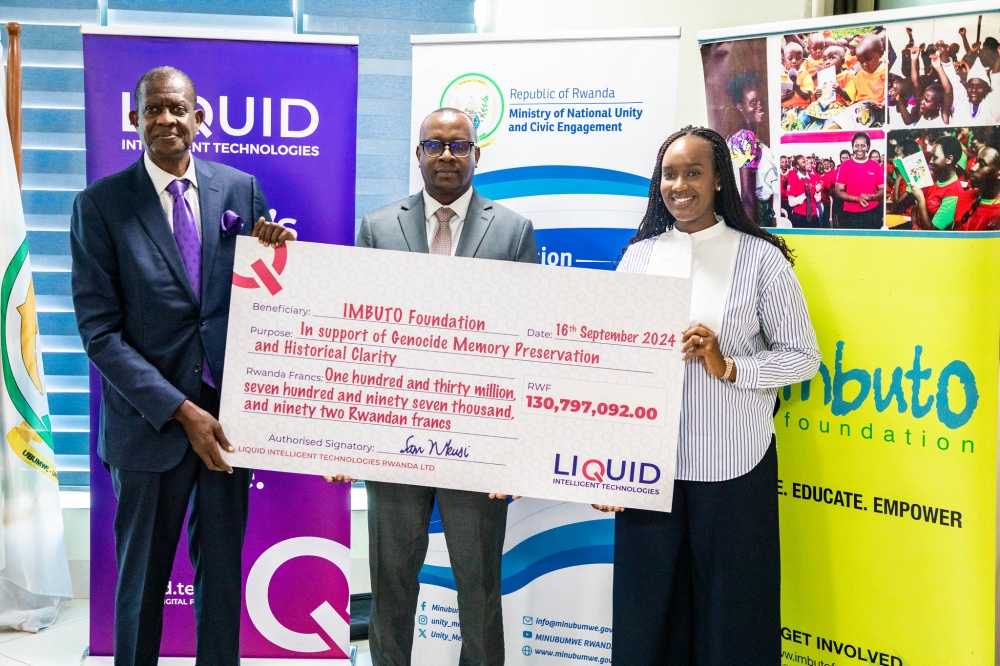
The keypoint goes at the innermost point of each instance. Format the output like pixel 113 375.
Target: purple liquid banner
pixel 285 112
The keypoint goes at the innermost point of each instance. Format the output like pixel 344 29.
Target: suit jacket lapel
pixel 146 205
pixel 477 221
pixel 413 224
pixel 210 199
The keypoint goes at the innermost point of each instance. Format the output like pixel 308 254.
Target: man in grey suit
pixel 448 217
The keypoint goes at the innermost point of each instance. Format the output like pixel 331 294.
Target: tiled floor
pixel 363 658
pixel 63 643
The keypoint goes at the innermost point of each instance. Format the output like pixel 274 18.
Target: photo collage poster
pixel 874 127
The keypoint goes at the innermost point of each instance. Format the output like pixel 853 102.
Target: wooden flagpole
pixel 14 92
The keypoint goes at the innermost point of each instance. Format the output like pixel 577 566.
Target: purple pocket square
pixel 231 223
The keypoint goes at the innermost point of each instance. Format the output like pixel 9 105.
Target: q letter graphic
pixel 266 275
pixel 327 619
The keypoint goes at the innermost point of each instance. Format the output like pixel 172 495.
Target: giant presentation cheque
pixel 460 373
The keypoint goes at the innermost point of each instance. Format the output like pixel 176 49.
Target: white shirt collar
pixel 460 205
pixel 714 231
pixel 161 179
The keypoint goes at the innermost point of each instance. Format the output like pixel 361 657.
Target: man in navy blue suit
pixel 152 273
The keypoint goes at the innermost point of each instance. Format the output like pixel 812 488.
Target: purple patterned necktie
pixel 186 235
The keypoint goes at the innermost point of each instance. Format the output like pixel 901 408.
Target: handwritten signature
pixel 445 450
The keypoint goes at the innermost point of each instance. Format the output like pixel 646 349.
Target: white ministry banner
pixel 556 581
pixel 525 380
pixel 569 125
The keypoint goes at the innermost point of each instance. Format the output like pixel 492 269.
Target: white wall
pixel 690 15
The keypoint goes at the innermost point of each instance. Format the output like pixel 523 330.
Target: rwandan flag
pixel 34 573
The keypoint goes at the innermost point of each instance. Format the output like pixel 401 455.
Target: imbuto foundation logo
pixel 480 97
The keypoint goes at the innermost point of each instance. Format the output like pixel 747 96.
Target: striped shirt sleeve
pixel 794 354
pixel 636 257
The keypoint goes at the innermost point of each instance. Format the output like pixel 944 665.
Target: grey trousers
pixel 474 529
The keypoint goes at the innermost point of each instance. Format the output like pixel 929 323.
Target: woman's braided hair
pixel 727 201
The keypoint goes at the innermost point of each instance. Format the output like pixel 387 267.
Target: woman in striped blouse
pixel 701 584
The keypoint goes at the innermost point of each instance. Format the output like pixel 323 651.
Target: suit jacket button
pixel 203 322
pixel 197 368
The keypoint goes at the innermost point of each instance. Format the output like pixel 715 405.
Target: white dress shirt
pixel 752 301
pixel 708 257
pixel 161 179
pixel 461 208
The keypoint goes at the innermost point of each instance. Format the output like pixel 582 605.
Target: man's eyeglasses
pixel 434 148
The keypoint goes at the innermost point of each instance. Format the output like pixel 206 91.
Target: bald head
pixel 870 43
pixel 869 52
pixel 817 42
pixel 834 56
pixel 449 116
pixel 793 55
pixel 792 48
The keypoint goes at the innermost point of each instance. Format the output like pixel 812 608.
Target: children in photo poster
pixel 833 166
pixel 735 75
pixel 803 195
pixel 962 192
pixel 935 81
pixel 797 87
pixel 834 83
pixel 870 79
pixel 833 79
pixel 836 180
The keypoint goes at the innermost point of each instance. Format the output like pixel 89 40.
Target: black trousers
pixel 474 529
pixel 701 585
pixel 800 221
pixel 871 219
pixel 151 508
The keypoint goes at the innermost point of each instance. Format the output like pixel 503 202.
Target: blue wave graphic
pixel 435 526
pixel 440 576
pixel 577 544
pixel 556 179
pixel 564 560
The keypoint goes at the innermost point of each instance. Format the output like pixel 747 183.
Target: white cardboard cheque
pixel 451 372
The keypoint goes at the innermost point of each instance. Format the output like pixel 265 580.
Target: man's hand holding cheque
pixel 272 233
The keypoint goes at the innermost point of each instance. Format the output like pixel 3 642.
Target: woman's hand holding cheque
pixel 339 478
pixel 700 342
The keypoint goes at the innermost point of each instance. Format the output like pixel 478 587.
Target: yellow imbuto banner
pixel 888 457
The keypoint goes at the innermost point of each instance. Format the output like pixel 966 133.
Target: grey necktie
pixel 441 244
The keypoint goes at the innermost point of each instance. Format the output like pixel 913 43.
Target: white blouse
pixel 751 299
pixel 709 258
